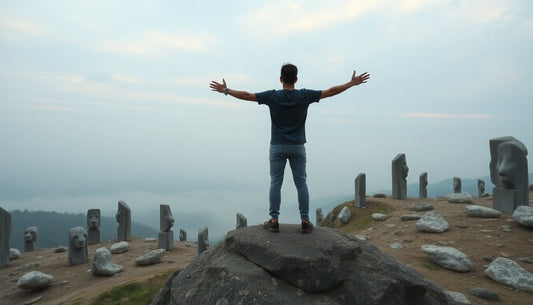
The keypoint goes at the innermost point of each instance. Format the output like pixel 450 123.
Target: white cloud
pixel 20 30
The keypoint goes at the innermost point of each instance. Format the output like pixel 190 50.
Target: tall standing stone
pixel 30 239
pixel 123 218
pixel 457 185
pixel 242 222
pixel 360 191
pixel 166 221
pixel 480 187
pixel 399 175
pixel 93 226
pixel 423 185
pixel 5 235
pixel 319 216
pixel 203 239
pixel 78 252
pixel 508 172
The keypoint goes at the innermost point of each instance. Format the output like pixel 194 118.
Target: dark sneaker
pixel 307 227
pixel 272 226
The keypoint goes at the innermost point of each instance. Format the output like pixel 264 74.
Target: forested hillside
pixel 53 227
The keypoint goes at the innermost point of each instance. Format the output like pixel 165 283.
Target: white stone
pixel 35 280
pixel 432 222
pixel 102 264
pixel 150 258
pixel 379 216
pixel 458 297
pixel 481 211
pixel 460 198
pixel 120 247
pixel 524 215
pixel 510 273
pixel 14 253
pixel 449 258
pixel 345 215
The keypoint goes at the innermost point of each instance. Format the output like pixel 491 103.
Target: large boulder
pixel 524 215
pixel 433 223
pixel 449 258
pixel 102 263
pixel 473 210
pixel 326 266
pixel 35 280
pixel 510 273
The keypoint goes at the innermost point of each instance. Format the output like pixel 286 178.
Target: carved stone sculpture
pixel 360 191
pixel 509 173
pixel 77 249
pixel 319 216
pixel 399 175
pixel 166 221
pixel 102 263
pixel 456 185
pixel 242 222
pixel 203 239
pixel 93 226
pixel 480 187
pixel 423 185
pixel 123 218
pixel 5 235
pixel 183 235
pixel 30 239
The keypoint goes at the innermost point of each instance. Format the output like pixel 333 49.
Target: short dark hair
pixel 289 72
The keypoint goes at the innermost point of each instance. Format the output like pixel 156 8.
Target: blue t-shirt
pixel 288 112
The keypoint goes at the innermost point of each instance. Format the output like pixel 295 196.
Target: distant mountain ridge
pixel 53 227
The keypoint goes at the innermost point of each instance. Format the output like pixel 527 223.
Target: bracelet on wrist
pixel 226 91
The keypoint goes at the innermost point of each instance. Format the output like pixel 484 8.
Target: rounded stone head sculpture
pixel 30 235
pixel 166 218
pixel 481 186
pixel 78 238
pixel 93 219
pixel 512 166
pixel 456 184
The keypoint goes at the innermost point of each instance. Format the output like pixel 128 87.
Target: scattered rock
pixel 398 232
pixel 35 280
pixel 433 223
pixel 485 195
pixel 449 258
pixel 510 273
pixel 526 260
pixel 102 264
pixel 409 217
pixel 150 239
pixel 345 215
pixel 33 301
pixel 380 195
pixel 485 293
pixel 460 198
pixel 458 298
pixel 391 225
pixel 29 266
pixel 420 207
pixel 524 215
pixel 481 211
pixel 487 258
pixel 150 258
pixel 120 247
pixel 14 253
pixel 463 225
pixel 506 228
pixel 397 246
pixel 379 216
pixel 61 249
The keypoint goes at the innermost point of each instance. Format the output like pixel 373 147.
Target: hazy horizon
pixel 106 101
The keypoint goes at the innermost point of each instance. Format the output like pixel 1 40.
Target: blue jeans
pixel 279 154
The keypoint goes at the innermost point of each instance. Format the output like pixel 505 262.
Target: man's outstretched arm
pixel 222 88
pixel 356 80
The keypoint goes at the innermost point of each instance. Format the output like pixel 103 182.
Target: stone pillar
pixel 509 174
pixel 422 185
pixel 30 239
pixel 399 175
pixel 203 239
pixel 93 226
pixel 78 252
pixel 183 235
pixel 123 218
pixel 5 236
pixel 480 188
pixel 360 191
pixel 166 221
pixel 319 216
pixel 457 185
pixel 242 222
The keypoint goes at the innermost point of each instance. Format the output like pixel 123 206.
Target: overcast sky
pixel 103 101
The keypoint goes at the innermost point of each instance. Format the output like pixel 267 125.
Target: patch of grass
pixel 136 293
pixel 431 267
pixel 361 217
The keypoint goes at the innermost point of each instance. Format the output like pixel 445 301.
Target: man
pixel 288 112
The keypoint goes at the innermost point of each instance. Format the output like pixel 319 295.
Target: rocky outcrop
pixel 326 266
